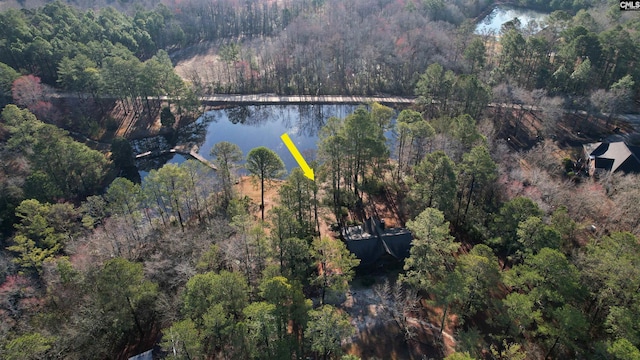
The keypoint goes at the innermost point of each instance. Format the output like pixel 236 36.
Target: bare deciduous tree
pixel 399 303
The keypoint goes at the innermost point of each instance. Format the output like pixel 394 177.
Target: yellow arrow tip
pixel 309 173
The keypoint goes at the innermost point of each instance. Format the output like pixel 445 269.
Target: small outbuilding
pixel 612 157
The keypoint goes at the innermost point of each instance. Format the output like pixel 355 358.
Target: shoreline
pixel 224 101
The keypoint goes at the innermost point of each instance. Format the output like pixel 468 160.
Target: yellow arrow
pixel 308 172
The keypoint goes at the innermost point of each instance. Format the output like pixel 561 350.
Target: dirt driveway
pixel 377 335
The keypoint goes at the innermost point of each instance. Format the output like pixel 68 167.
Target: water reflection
pixel 306 119
pixel 194 133
pixel 238 114
pixel 248 127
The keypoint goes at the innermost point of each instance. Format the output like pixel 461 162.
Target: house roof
pixel 615 156
pixel 371 241
pixel 147 355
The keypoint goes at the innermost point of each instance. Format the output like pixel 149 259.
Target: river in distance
pixel 492 23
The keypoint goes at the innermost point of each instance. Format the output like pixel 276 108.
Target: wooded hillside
pixel 517 253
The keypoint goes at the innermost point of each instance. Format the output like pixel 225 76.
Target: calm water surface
pixel 248 127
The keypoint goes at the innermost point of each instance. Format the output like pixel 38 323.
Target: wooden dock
pixel 200 158
pixel 182 150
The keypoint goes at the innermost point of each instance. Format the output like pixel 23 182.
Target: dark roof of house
pixel 371 241
pixel 615 156
pixel 147 355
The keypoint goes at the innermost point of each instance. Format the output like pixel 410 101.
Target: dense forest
pixel 517 253
pixel 357 48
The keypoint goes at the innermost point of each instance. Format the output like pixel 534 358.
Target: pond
pixel 248 127
pixel 501 14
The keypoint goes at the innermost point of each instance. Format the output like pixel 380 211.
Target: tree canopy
pixel 265 165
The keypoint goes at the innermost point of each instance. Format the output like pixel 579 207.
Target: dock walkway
pixel 200 158
pixel 182 150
